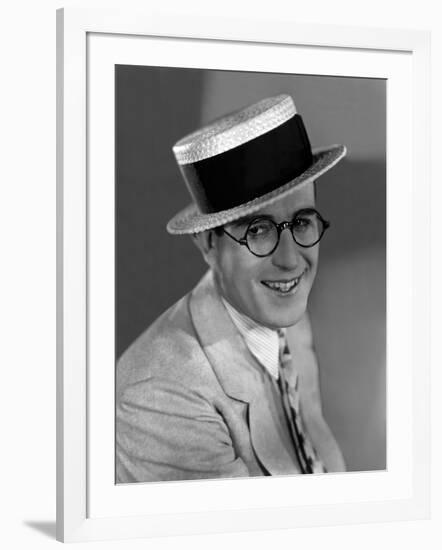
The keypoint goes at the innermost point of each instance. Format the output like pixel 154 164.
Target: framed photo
pixel 131 86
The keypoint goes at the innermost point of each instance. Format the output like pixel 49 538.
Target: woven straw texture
pixel 235 129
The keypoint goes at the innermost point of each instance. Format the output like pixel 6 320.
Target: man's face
pixel 250 284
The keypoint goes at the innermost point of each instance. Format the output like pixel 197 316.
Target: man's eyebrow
pixel 247 219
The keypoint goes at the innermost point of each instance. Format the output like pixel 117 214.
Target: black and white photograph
pixel 250 269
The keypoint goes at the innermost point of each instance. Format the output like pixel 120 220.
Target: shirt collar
pixel 262 342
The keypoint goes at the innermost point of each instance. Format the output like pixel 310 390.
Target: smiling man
pixel 272 282
pixel 226 382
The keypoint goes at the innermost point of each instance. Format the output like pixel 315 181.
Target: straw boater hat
pixel 244 161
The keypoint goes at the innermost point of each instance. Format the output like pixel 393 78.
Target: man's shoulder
pixel 168 349
pixel 172 324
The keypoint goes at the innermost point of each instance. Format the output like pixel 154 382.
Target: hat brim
pixel 190 220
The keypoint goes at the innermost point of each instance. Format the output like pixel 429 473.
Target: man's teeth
pixel 282 286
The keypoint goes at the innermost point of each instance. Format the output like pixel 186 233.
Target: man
pixel 225 383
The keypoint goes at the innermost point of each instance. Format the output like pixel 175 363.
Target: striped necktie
pixel 308 459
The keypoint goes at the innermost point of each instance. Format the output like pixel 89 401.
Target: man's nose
pixel 287 254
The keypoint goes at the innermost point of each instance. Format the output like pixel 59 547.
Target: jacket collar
pixel 238 372
pixel 235 367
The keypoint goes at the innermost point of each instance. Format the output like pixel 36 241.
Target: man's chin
pixel 281 321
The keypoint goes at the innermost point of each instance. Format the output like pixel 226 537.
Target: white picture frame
pixel 89 505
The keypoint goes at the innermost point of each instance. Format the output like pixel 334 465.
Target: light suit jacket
pixel 190 400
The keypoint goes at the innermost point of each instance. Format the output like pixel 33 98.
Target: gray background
pixel 157 106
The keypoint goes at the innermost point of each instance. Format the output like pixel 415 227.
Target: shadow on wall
pixel 348 310
pixel 154 269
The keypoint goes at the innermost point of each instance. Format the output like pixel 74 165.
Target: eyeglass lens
pixel 263 236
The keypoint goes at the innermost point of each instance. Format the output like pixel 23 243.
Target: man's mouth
pixel 283 286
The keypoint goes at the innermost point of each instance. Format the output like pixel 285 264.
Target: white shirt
pixel 262 342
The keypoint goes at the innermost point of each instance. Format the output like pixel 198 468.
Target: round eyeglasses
pixel 262 234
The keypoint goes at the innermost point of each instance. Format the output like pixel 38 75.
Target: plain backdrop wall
pixel 157 106
pixel 27 289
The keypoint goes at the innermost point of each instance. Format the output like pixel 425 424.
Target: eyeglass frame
pixel 280 228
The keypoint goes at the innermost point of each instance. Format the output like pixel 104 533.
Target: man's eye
pixel 259 229
pixel 302 223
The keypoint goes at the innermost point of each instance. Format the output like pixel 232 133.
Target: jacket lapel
pixel 238 372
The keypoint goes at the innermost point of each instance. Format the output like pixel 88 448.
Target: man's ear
pixel 205 241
